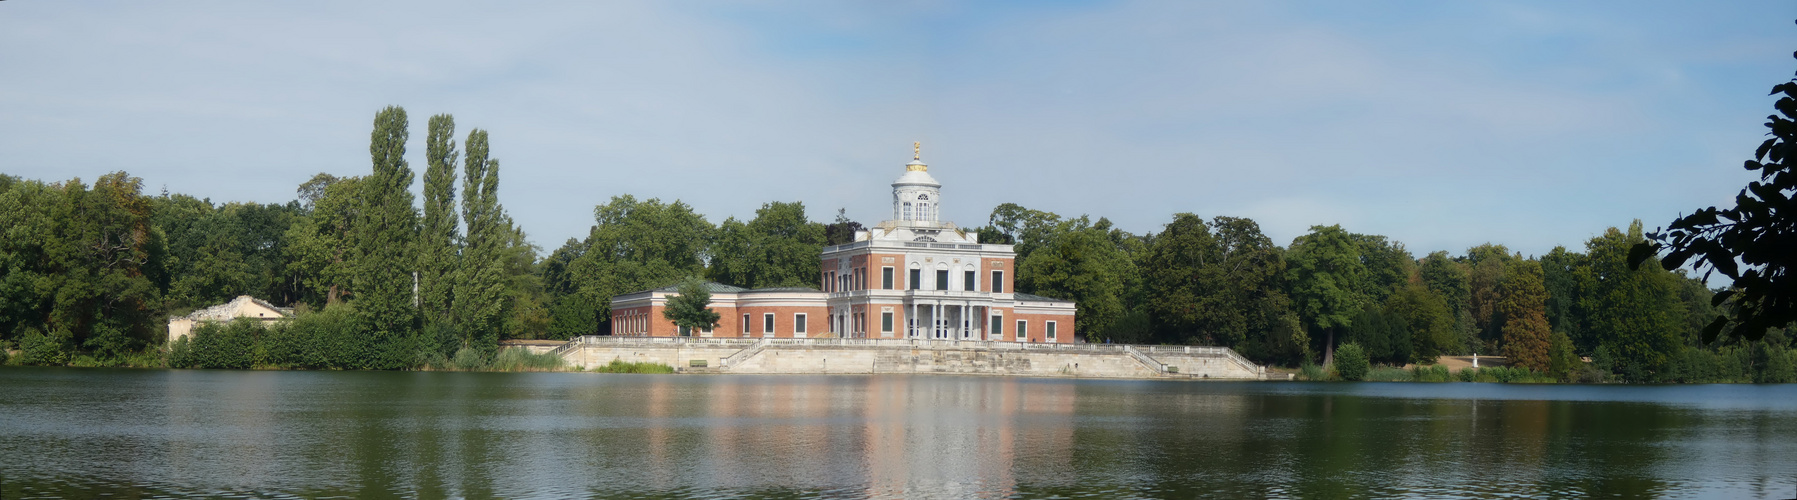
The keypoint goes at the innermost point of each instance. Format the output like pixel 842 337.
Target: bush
pixel 468 358
pixel 5 354
pixel 522 360
pixel 36 348
pixel 1430 373
pixel 1351 362
pixel 621 366
pixel 1384 373
pixel 224 345
pixel 1312 372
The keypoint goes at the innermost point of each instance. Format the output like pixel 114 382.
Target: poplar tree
pixel 1524 309
pixel 480 284
pixel 437 252
pixel 387 226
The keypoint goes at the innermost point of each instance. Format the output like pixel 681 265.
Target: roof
pixel 785 289
pixel 710 286
pixel 1024 297
pixel 231 310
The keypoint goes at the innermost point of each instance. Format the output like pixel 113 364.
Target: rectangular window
pixel 1049 331
pixel 767 323
pixel 998 326
pixel 968 281
pixel 942 279
pixel 745 324
pixel 861 278
pixel 686 331
pixel 886 278
pixel 798 324
pixel 998 282
pixel 1023 330
pixel 907 212
pixel 916 279
pixel 886 322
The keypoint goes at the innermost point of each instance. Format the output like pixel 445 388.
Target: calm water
pixel 147 434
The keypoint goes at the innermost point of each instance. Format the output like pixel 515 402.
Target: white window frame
pixel 1048 330
pixel 886 323
pixel 888 277
pixel 798 324
pixel 768 324
pixel 1023 330
pixel 746 324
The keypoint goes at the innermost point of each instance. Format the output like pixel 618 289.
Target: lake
pixel 178 433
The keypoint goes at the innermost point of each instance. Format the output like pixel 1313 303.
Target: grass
pixel 621 366
pixel 1388 374
pixel 1434 373
pixel 521 360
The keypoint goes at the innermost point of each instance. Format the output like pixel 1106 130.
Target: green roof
pixel 710 286
pixel 785 289
pixel 1024 297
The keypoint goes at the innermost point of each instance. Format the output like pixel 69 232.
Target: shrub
pixel 5 351
pixel 621 366
pixel 1467 374
pixel 1351 362
pixel 468 358
pixel 224 345
pixel 1308 371
pixel 520 360
pixel 55 349
pixel 1383 373
pixel 1430 373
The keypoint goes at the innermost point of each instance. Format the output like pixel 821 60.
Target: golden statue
pixel 917 150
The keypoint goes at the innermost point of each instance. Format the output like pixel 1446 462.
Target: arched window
pixel 907 215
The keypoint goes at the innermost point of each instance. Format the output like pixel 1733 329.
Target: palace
pixel 913 276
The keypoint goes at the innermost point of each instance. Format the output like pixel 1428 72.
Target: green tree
pixel 843 230
pixel 1080 262
pixel 321 247
pixel 480 294
pixel 1426 319
pixel 1224 288
pixel 778 248
pixel 1325 271
pixel 1636 313
pixel 1024 228
pixel 386 227
pixel 637 245
pixel 1383 338
pixel 1524 309
pixel 689 310
pixel 1562 273
pixel 437 242
pixel 1485 274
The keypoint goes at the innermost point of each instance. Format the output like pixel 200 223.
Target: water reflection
pixel 149 434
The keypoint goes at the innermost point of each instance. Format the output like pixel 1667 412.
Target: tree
pixel 322 243
pixel 1636 312
pixel 1561 275
pixel 843 230
pixel 1026 229
pixel 1760 231
pixel 1325 270
pixel 1485 274
pixel 386 228
pixel 637 245
pixel 437 240
pixel 480 301
pixel 778 248
pixel 1384 339
pixel 1224 288
pixel 1080 262
pixel 688 309
pixel 1426 319
pixel 1524 309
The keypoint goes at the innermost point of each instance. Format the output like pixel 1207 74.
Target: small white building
pixel 243 306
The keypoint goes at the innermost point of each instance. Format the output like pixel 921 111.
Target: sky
pixel 1442 125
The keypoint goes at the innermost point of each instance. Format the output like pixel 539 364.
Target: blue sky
pixel 1440 124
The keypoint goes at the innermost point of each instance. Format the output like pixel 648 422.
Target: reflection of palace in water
pixel 891 434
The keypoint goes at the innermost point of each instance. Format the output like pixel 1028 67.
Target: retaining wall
pixel 848 356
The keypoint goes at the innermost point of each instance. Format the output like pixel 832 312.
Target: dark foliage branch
pixel 1760 231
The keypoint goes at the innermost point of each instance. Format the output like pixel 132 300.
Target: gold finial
pixel 917 150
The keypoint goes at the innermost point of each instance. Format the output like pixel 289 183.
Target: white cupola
pixel 916 197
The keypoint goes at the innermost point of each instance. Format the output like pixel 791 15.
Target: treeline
pixel 91 273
